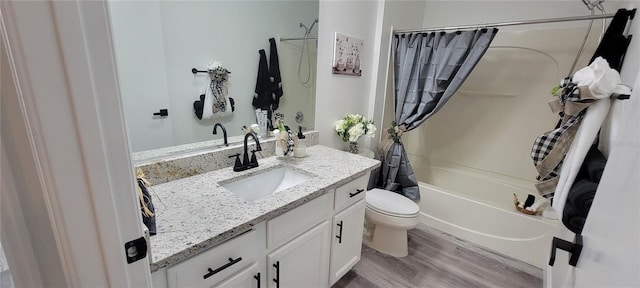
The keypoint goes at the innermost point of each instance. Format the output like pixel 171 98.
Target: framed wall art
pixel 347 51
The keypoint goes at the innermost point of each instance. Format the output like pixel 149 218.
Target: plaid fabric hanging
pixel 550 148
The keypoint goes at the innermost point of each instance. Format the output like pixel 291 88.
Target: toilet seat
pixel 391 203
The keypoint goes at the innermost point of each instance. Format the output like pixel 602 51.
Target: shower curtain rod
pixel 514 23
pixel 299 38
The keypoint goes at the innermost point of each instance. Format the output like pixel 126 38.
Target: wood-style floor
pixel 437 259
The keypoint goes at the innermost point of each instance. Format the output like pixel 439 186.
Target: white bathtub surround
pixel 200 214
pixel 538 204
pixel 477 206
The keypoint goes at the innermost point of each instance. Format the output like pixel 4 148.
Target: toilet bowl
pixel 388 216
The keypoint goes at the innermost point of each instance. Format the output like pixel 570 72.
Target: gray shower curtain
pixel 428 69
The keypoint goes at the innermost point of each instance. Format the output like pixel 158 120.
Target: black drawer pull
pixel 257 277
pixel 277 279
pixel 358 191
pixel 574 249
pixel 340 233
pixel 225 266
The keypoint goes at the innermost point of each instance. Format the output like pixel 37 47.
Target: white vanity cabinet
pixel 346 244
pixel 298 243
pixel 251 277
pixel 302 262
pixel 236 260
pixel 312 245
pixel 346 240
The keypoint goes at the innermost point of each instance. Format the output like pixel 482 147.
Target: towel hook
pixel 196 71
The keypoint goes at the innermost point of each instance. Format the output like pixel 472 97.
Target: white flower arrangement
pixel 353 126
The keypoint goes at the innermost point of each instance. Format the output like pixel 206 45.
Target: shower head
pixel 307 30
pixel 595 4
pixel 313 24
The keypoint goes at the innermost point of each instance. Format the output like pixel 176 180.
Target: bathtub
pixel 478 207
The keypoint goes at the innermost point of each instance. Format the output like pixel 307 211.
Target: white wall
pixel 397 14
pixel 338 95
pixel 158 42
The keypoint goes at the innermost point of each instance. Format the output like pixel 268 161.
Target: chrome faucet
pixel 246 163
pixel 224 133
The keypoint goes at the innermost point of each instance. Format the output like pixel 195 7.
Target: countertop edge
pixel 244 227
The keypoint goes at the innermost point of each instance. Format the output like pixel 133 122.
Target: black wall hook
pixel 574 249
pixel 632 13
pixel 196 71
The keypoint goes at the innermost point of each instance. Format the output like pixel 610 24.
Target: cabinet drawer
pixel 250 277
pixel 293 223
pixel 351 192
pixel 217 263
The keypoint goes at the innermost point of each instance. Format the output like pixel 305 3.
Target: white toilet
pixel 387 218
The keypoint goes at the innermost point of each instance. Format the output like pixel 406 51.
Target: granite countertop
pixel 196 213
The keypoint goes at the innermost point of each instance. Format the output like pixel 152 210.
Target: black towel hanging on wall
pixel 274 75
pixel 613 46
pixel 262 94
pixel 583 190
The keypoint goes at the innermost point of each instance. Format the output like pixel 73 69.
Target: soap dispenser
pixel 279 151
pixel 301 148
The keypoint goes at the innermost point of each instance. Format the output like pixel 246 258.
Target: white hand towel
pixel 583 140
pixel 207 109
pixel 602 82
pixel 601 79
pixel 216 102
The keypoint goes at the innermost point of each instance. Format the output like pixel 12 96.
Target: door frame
pixel 67 132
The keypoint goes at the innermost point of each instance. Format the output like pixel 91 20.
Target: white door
pixel 611 236
pixel 140 57
pixel 302 262
pixel 64 141
pixel 346 241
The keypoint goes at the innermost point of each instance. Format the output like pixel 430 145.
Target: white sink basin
pixel 266 184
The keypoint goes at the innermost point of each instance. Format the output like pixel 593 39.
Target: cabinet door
pixel 302 262
pixel 346 240
pixel 252 277
pixel 159 278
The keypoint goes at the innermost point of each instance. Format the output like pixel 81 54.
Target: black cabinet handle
pixel 358 191
pixel 162 112
pixel 277 279
pixel 225 266
pixel 574 249
pixel 340 233
pixel 257 277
